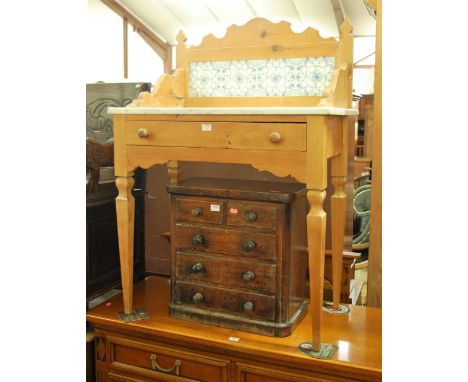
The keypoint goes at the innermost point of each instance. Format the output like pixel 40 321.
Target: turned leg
pixel 173 170
pixel 125 205
pixel 316 228
pixel 339 172
pixel 338 214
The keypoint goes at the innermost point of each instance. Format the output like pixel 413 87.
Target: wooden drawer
pixel 267 136
pixel 226 241
pixel 227 272
pixel 165 364
pixel 252 215
pixel 235 135
pixel 197 210
pixel 170 133
pixel 225 300
pixel 251 373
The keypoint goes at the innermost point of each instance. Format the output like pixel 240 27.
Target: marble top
pixel 318 110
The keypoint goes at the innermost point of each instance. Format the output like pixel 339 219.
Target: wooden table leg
pixel 338 214
pixel 173 170
pixel 339 171
pixel 316 229
pixel 125 205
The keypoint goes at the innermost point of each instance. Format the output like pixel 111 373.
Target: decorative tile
pixel 307 76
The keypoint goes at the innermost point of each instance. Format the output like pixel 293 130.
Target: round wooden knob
pixel 143 133
pixel 249 245
pixel 275 137
pixel 198 267
pixel 249 275
pixel 198 239
pixel 197 297
pixel 248 306
pixel 197 211
pixel 250 217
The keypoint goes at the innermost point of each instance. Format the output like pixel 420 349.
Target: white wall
pixel 104 47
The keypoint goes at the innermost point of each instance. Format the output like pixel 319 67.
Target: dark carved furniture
pixel 238 254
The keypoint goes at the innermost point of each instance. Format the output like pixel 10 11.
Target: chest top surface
pixel 239 189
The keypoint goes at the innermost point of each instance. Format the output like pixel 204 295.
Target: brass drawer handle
pixel 198 239
pixel 197 298
pixel 248 306
pixel 198 267
pixel 249 245
pixel 197 211
pixel 175 367
pixel 250 217
pixel 143 133
pixel 275 137
pixel 249 275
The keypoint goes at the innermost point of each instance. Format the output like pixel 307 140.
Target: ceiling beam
pixel 338 10
pixel 159 46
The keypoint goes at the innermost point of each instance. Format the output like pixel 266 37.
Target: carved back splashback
pixel 267 64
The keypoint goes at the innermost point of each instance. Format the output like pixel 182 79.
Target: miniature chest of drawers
pixel 239 254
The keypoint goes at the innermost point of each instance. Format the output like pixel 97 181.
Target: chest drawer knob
pixel 143 133
pixel 198 239
pixel 197 298
pixel 249 245
pixel 197 211
pixel 248 306
pixel 275 137
pixel 250 217
pixel 197 268
pixel 249 275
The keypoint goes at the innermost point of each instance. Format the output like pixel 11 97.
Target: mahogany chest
pixel 239 256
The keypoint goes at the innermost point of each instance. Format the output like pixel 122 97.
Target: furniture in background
pixel 348 274
pixel 365 126
pixel 284 128
pixel 102 253
pixel 162 348
pixel 239 254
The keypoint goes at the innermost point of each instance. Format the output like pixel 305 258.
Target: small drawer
pixel 158 362
pixel 197 210
pixel 170 133
pixel 252 215
pixel 225 241
pixel 267 136
pixel 227 272
pixel 225 300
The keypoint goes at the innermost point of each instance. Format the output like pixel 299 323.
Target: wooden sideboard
pixel 163 348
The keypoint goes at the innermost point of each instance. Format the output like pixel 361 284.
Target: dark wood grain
pixel 264 215
pixel 239 189
pixel 199 210
pixel 250 250
pixel 220 270
pixel 226 241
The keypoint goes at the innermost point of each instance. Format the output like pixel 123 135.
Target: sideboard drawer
pixel 252 215
pixel 170 133
pixel 251 373
pixel 158 361
pixel 220 270
pixel 197 210
pixel 226 241
pixel 226 300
